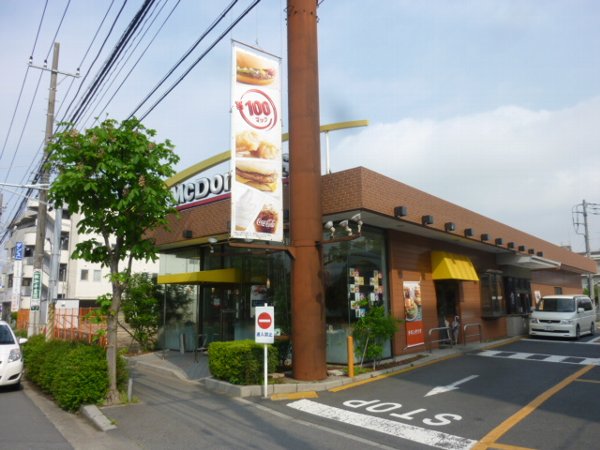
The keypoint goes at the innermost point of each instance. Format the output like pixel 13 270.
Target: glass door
pixel 218 313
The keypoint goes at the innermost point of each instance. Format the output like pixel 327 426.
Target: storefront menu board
pixel 256 188
pixel 364 286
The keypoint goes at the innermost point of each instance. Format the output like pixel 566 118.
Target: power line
pixel 85 55
pixel 133 25
pixel 139 58
pixel 185 55
pixel 95 58
pixel 126 57
pixel 37 35
pixel 200 58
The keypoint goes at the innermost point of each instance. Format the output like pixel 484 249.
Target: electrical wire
pixel 63 119
pixel 200 58
pixel 85 56
pixel 150 20
pixel 185 55
pixel 140 57
pixel 12 120
pixel 35 94
pixel 133 25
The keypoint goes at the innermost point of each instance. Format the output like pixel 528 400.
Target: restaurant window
pixel 492 299
pixel 355 280
pixel 518 295
pixel 180 261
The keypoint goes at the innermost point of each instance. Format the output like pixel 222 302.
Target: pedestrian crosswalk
pixel 541 357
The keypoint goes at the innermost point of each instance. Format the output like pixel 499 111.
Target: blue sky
pixel 492 105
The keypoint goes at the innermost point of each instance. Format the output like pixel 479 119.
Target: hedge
pixel 240 362
pixel 73 373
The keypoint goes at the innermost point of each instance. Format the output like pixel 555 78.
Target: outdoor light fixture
pixel 485 237
pixel 357 218
pixel 521 248
pixel 329 227
pixel 498 241
pixel 427 220
pixel 344 224
pixel 187 234
pixel 511 245
pixel 469 232
pixel 449 226
pixel 212 241
pixel 400 211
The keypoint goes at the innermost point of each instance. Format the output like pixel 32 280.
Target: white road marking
pixel 424 436
pixel 540 341
pixel 449 387
pixel 548 358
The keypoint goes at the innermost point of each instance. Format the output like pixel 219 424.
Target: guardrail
pixel 439 329
pixel 471 325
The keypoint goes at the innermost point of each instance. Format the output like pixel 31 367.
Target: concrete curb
pixel 223 387
pixel 232 390
pixel 97 417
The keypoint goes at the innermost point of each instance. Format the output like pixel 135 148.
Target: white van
pixel 563 316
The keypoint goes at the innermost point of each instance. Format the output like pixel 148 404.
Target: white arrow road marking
pixel 424 436
pixel 450 387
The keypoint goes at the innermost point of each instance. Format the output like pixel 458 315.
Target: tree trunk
pixel 111 358
pixel 112 344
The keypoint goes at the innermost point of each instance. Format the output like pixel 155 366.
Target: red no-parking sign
pixel 264 325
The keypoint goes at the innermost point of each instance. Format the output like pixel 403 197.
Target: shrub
pixel 74 373
pixel 240 362
pixel 81 378
pixel 41 358
pixel 372 331
pixel 33 353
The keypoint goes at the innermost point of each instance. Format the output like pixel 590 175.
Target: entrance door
pixel 217 313
pixel 448 298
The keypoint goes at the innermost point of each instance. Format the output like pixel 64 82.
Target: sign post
pixel 265 334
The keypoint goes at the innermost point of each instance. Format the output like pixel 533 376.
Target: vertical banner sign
pixel 36 290
pixel 256 162
pixel 17 277
pixel 413 312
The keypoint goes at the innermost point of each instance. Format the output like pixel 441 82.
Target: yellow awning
pixel 205 276
pixel 448 266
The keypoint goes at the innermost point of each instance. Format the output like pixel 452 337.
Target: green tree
pixel 141 309
pixel 372 331
pixel 113 175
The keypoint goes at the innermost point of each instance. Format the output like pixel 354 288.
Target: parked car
pixel 564 316
pixel 11 357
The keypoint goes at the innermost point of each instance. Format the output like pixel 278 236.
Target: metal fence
pixel 71 324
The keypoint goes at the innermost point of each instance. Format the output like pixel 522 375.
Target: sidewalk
pixel 188 367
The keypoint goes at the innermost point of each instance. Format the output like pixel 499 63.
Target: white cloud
pixel 522 167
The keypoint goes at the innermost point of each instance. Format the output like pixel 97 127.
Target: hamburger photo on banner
pixel 254 174
pixel 252 69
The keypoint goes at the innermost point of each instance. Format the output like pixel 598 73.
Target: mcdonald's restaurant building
pixel 427 261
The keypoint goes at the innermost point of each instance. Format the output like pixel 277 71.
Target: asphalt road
pixel 174 414
pixel 24 426
pixel 540 394
pixel 531 394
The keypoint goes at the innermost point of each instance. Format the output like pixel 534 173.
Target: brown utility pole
pixel 40 236
pixel 308 300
